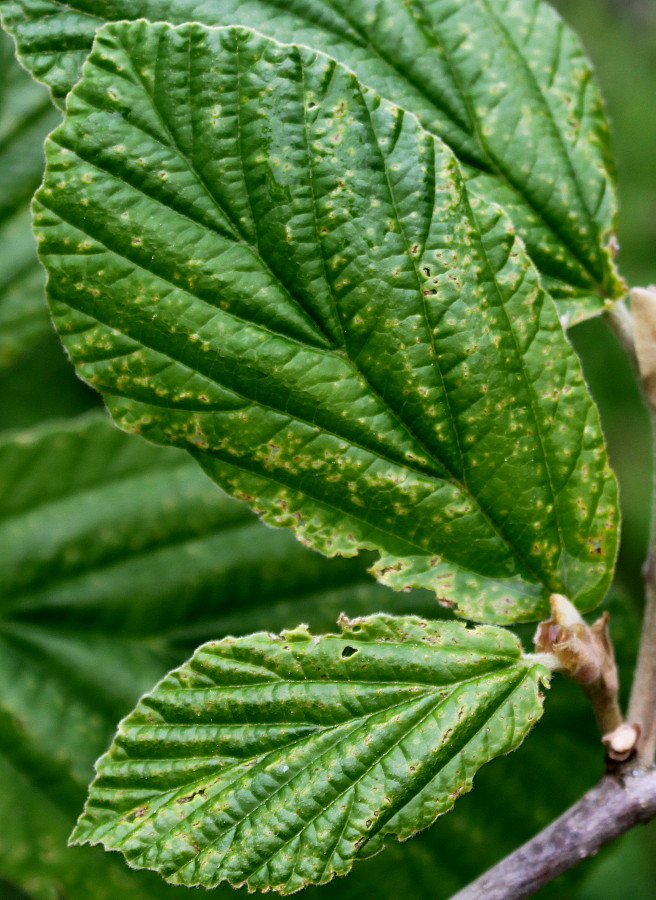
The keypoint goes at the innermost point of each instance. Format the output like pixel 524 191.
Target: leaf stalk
pixel 585 654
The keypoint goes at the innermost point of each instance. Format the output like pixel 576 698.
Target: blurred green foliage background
pixel 620 36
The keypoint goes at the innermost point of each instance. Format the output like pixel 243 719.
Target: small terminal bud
pixel 621 742
pixel 564 612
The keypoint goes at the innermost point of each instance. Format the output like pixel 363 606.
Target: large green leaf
pixel 26 117
pixel 276 761
pixel 504 83
pixel 289 277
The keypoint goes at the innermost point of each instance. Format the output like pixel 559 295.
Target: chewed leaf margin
pixel 276 761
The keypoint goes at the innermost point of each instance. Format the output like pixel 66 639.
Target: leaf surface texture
pixel 289 277
pixel 275 761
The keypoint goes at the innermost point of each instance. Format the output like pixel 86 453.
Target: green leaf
pixel 42 385
pixel 26 117
pixel 504 83
pixel 290 278
pixel 117 557
pixel 276 761
pixel 24 319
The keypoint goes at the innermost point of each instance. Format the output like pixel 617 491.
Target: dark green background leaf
pixel 504 83
pixel 24 317
pixel 26 117
pixel 358 347
pixel 42 385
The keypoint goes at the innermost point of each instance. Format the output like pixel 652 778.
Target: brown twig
pixel 614 805
pixel 642 705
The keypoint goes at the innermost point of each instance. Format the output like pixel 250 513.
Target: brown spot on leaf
pixel 136 813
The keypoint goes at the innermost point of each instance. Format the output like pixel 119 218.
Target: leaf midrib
pixel 315 223
pixel 461 478
pixel 382 820
pixel 267 329
pixel 500 662
pixel 445 476
pixel 528 385
pixel 514 686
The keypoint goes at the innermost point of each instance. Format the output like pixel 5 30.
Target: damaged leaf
pixel 277 761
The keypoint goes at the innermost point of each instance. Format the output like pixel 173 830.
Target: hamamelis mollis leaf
pixel 288 276
pixel 504 82
pixel 276 761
